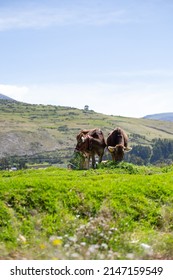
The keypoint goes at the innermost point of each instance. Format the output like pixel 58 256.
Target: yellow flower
pixel 42 246
pixel 56 242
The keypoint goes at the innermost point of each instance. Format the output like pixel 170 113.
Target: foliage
pixel 106 213
pixel 77 161
pixel 140 155
pixel 162 151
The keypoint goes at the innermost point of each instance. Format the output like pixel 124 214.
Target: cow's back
pixel 90 143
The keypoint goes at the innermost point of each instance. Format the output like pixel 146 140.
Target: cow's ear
pixel 127 149
pixel 111 149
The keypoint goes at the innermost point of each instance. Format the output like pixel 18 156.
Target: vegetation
pixel 159 152
pixel 117 211
pixel 47 134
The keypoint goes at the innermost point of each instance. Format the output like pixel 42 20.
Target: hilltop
pixel 50 131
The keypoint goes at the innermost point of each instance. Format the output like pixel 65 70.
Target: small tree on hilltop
pixel 86 108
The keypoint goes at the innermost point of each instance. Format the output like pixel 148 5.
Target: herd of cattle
pixel 92 142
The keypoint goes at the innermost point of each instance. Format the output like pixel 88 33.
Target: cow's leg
pixel 82 164
pixel 87 161
pixel 113 156
pixel 100 157
pixel 93 161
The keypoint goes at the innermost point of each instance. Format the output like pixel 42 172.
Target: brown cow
pixel 117 144
pixel 91 143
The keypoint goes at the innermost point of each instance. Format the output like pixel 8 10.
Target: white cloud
pixel 133 100
pixel 16 92
pixel 130 100
pixel 34 16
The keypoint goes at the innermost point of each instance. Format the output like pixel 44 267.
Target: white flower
pixel 104 246
pixel 113 229
pixel 77 216
pixel 75 255
pixel 73 239
pixel 130 256
pixel 93 248
pixel 147 248
pixel 54 237
pixel 21 238
pixel 66 246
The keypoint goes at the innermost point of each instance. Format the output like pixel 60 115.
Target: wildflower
pixel 77 216
pixel 56 242
pixel 73 239
pixel 113 229
pixel 147 248
pixel 130 256
pixel 21 238
pixel 82 227
pixel 42 246
pixel 136 241
pixel 66 246
pixel 104 246
pixel 93 248
pixel 75 255
pixel 53 237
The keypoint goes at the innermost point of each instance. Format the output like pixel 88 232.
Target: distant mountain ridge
pixel 4 97
pixel 161 117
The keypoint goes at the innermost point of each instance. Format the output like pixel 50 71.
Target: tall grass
pixel 114 212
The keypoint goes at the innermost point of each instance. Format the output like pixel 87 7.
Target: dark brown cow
pixel 91 143
pixel 117 144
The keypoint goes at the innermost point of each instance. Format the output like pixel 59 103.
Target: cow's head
pixel 82 143
pixel 118 151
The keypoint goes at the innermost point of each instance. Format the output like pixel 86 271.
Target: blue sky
pixel 115 56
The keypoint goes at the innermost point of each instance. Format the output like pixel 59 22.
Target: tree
pixel 4 164
pixel 86 108
pixel 140 154
pixel 162 150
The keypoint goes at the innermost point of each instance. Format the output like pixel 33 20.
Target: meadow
pixel 119 211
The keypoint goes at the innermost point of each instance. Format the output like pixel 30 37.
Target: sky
pixel 116 56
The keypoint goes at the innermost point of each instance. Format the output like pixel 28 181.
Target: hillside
pixel 47 131
pixel 161 117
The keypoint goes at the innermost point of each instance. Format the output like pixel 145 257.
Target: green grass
pixel 112 212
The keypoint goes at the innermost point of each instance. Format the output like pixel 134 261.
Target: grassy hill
pixel 47 131
pixel 122 212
